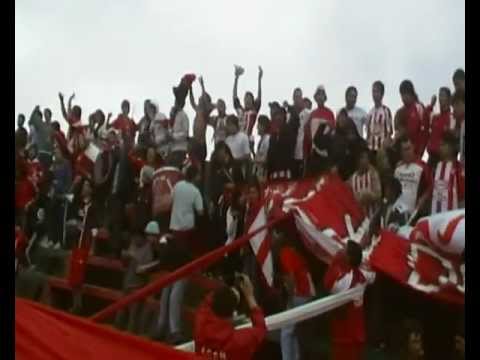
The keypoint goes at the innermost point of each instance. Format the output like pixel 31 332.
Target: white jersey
pixel 415 178
pixel 304 116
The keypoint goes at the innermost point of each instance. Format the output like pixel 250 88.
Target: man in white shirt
pixel 358 115
pixel 237 140
pixel 416 179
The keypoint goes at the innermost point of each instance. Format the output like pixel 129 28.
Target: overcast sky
pixel 109 50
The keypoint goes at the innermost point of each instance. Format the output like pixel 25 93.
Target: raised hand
pixel 433 101
pixel 260 72
pixel 60 95
pixel 239 70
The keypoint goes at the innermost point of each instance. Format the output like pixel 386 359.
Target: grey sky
pixel 108 50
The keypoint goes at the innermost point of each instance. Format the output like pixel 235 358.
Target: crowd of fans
pixel 64 199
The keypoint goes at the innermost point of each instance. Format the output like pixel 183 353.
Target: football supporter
pixel 459 80
pixel 365 183
pixel 219 122
pixel 379 120
pixel 448 178
pixel 416 179
pixel 214 334
pixel 144 135
pixel 414 117
pixel 237 141
pixel 357 114
pixel 308 103
pixel 347 322
pixel 321 118
pixel 76 139
pixel 300 111
pixel 43 138
pixel 125 125
pixel 280 158
pixel 299 287
pixel 21 134
pixel 260 169
pixel 439 124
pixel 247 113
pixel 459 114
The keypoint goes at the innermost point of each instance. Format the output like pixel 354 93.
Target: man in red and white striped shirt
pixel 449 178
pixel 365 183
pixel 379 120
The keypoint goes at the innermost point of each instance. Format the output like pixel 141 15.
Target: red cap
pixel 188 79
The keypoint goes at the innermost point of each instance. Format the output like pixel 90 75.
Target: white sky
pixel 109 50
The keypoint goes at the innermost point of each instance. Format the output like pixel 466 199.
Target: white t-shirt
pixel 239 145
pixel 180 132
pixel 304 116
pixel 359 117
pixel 411 177
pixel 187 201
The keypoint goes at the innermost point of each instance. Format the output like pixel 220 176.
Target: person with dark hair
pixel 249 111
pixel 76 138
pixel 144 132
pixel 416 179
pixel 260 167
pixel 415 118
pixel 394 213
pixel 439 124
pixel 448 178
pixel 365 183
pixel 281 150
pixel 458 102
pixel 322 118
pixel 238 142
pixel 214 333
pixel 21 134
pixel 219 122
pixel 459 80
pixel 347 322
pixel 43 138
pixel 297 280
pixel 379 121
pixel 357 114
pixel 125 125
pixel 307 103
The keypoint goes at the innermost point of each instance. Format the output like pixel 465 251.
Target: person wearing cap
pixel 249 111
pixel 357 114
pixel 321 118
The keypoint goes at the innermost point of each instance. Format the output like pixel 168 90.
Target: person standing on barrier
pixel 299 287
pixel 347 322
pixel 214 334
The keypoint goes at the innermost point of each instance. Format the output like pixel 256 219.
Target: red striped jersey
pixel 448 186
pixel 379 126
pixel 367 182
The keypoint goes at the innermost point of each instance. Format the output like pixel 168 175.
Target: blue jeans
pixel 289 339
pixel 171 308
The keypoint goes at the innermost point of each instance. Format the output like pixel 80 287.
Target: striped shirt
pixel 448 186
pixel 379 126
pixel 367 182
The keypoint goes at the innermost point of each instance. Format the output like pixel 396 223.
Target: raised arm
pixel 236 100
pixel 70 99
pixel 192 98
pixel 62 105
pixel 258 100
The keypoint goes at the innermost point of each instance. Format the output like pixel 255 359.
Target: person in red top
pixel 214 334
pixel 125 125
pixel 415 118
pixel 320 118
pixel 347 322
pixel 24 191
pixel 439 124
pixel 299 287
pixel 76 135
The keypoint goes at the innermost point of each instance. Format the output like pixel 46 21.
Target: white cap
pixel 320 88
pixel 152 228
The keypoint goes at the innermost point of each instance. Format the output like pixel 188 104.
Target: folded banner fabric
pixel 300 313
pixel 44 333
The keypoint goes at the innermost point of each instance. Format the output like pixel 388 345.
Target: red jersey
pixel 35 172
pixel 379 127
pixel 126 126
pixel 347 324
pixel 448 186
pixel 294 264
pixel 24 193
pixel 417 125
pixel 439 125
pixel 216 338
pixel 318 117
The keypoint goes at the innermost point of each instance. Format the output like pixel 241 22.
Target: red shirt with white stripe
pixel 379 126
pixel 318 117
pixel 295 265
pixel 415 178
pixel 448 186
pixel 439 125
pixel 366 182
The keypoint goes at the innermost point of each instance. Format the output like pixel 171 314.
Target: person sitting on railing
pixel 347 323
pixel 214 334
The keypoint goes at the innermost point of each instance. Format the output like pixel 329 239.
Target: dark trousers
pixel 298 167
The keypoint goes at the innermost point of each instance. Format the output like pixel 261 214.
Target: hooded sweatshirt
pixel 216 338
